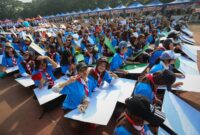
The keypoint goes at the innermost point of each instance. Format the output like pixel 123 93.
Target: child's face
pixel 51 39
pixel 142 39
pixel 43 65
pixel 85 37
pixel 90 49
pixel 124 50
pixel 27 42
pixel 101 67
pixel 136 41
pixel 83 73
pixel 70 57
pixel 171 46
pixel 68 41
pixel 26 56
pixel 172 61
pixel 72 67
pixel 1 48
pixel 9 49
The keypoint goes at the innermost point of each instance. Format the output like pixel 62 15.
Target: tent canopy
pixel 80 12
pixel 180 1
pixel 67 14
pixel 62 14
pixel 87 11
pixel 135 5
pixel 97 10
pixel 107 8
pixel 58 15
pixel 120 7
pixel 155 3
pixel 73 13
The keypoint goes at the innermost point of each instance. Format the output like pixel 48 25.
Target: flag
pixel 79 57
pixel 133 66
pixel 143 50
pixel 109 45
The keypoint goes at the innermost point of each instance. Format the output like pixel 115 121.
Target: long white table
pixel 190 50
pixel 190 83
pixel 180 116
pixel 46 95
pixel 126 89
pixel 138 70
pixel 12 69
pixel 25 81
pixel 103 102
pixel 188 66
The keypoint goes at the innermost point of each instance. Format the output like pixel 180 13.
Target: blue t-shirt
pixel 157 68
pixel 94 83
pixel 87 58
pixel 145 90
pixel 129 52
pixel 49 70
pixel 83 47
pixel 150 39
pixel 100 48
pixel 121 130
pixel 56 57
pixel 7 61
pixel 154 57
pixel 75 94
pixel 117 62
pixel 114 42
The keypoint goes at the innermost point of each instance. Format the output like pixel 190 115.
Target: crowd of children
pixel 98 53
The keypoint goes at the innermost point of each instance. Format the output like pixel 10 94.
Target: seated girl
pixel 100 73
pixel 68 46
pixel 68 63
pixel 26 66
pixel 166 60
pixel 10 57
pixel 52 53
pixel 91 55
pixel 84 42
pixel 43 73
pixel 103 49
pixel 120 59
pixel 147 85
pixel 76 90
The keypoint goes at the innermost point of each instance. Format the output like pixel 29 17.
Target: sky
pixel 25 0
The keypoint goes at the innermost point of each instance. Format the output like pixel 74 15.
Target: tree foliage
pixel 14 9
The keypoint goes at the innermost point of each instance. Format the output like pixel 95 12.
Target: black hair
pixel 14 52
pixel 94 52
pixel 124 36
pixel 38 63
pixel 165 77
pixel 158 61
pixel 166 44
pixel 54 39
pixel 144 79
pixel 117 49
pixel 132 40
pixel 64 58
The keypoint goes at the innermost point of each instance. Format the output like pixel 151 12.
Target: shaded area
pixel 19 115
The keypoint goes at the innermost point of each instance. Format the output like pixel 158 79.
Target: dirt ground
pixel 19 111
pixel 195 28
